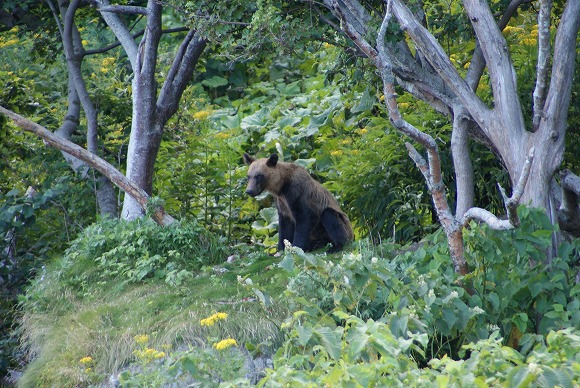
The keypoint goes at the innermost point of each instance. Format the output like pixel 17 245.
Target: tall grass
pixel 72 310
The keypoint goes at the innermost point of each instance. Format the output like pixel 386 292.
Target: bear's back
pixel 299 186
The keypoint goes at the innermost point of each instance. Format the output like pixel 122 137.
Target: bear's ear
pixel 272 160
pixel 249 159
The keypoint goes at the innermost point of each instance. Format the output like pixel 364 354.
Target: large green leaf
pixel 330 340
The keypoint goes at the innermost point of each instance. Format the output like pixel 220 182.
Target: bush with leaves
pixel 511 289
pixel 361 353
pixel 130 252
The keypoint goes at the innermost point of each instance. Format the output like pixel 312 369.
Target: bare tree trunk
pixel 78 95
pixel 151 109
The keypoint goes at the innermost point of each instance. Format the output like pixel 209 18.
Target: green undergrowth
pixel 89 303
pixel 373 315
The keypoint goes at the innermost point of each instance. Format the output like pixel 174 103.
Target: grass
pixel 62 323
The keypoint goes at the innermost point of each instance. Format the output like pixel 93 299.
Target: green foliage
pixel 33 226
pixel 130 252
pixel 519 290
pixel 367 354
pixel 416 289
pixel 63 321
pixel 403 317
pixel 376 315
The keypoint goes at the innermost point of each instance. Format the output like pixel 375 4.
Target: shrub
pixel 130 252
pixel 512 288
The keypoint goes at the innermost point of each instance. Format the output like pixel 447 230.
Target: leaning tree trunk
pixel 157 212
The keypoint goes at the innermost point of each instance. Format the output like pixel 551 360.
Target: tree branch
pixel 434 53
pixel 134 36
pixel 555 113
pixel 501 71
pixel 74 56
pixel 179 75
pixel 121 32
pixel 511 204
pixel 465 189
pixel 430 169
pixel 126 9
pixel 477 63
pixel 539 95
pixel 92 160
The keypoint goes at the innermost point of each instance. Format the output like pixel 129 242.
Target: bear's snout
pixel 251 193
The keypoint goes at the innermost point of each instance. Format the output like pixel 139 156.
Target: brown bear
pixel 308 215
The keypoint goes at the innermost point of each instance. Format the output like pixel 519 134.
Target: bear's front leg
pixel 285 230
pixel 305 223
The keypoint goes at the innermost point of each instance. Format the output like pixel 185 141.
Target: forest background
pixel 282 77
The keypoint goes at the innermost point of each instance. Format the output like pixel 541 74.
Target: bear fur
pixel 308 215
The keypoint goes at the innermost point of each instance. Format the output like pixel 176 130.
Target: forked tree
pixel 394 36
pixel 153 104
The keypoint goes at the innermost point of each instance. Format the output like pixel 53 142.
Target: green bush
pixel 130 252
pixel 360 353
pixel 513 290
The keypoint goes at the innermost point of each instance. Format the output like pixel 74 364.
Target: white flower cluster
pixel 352 257
pixel 478 310
pixel 534 368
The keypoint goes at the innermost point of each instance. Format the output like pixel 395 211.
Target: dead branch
pixel 511 204
pixel 125 9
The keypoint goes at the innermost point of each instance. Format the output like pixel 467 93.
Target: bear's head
pixel 262 174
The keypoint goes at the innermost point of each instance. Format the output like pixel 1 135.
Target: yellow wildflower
pixel 141 339
pixel 104 70
pixel 201 115
pixel 9 42
pixel 529 41
pixel 222 135
pixel 224 344
pixel 336 152
pixel 510 29
pixel 382 98
pixel 108 61
pixel 85 42
pixel 361 131
pixel 149 354
pixel 86 360
pixel 88 370
pixel 210 321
